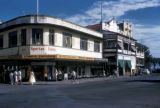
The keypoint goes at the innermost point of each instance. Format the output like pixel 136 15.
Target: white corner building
pixel 49 45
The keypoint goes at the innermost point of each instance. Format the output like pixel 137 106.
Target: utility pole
pixel 101 12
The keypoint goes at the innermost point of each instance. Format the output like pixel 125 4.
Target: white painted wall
pixel 76 41
pixel 51 50
pixel 58 38
pixel 45 36
pixel 50 20
pixel 111 26
pixel 90 45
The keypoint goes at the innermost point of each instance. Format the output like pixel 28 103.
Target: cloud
pixel 145 32
pixel 110 9
pixel 148 35
pixel 117 9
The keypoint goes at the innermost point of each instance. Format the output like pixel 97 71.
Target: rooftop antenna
pixel 37 9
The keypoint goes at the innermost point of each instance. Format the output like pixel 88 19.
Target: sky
pixel 143 14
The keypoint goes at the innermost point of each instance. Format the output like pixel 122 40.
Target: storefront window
pixel 37 36
pixel 12 36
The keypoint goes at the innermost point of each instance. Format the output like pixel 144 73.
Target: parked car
pixel 146 71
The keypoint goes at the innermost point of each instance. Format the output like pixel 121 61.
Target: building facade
pixel 140 55
pixel 118 46
pixel 48 45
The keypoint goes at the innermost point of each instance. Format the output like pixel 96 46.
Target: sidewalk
pixel 77 81
pixel 86 80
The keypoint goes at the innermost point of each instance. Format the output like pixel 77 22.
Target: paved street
pixel 135 92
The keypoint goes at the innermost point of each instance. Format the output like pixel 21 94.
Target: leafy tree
pixel 148 57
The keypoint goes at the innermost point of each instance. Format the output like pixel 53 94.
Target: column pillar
pixel 28 72
pixel 45 73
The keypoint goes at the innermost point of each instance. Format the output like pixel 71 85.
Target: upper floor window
pixel 51 37
pixel 83 44
pixel 67 40
pixel 23 36
pixel 132 48
pixel 12 36
pixel 120 45
pixel 37 36
pixel 110 44
pixel 1 41
pixel 126 46
pixel 96 46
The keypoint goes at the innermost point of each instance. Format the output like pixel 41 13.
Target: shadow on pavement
pixel 151 81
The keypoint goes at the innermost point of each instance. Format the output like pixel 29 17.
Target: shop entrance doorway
pixel 39 72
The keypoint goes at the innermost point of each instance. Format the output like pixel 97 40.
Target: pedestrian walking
pixel 11 78
pixel 56 75
pixel 32 79
pixel 116 73
pixel 73 75
pixel 59 76
pixel 66 76
pixel 15 77
pixel 19 73
pixel 104 73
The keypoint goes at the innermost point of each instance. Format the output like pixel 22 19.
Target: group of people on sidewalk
pixel 60 75
pixel 15 77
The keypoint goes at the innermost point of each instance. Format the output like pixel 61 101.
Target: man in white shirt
pixel 15 77
pixel 73 75
pixel 11 78
pixel 19 73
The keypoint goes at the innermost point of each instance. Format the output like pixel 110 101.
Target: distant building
pixel 118 46
pixel 48 45
pixel 140 54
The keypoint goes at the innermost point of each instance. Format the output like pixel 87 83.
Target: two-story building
pixel 47 45
pixel 118 46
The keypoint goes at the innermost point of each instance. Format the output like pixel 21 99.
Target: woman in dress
pixel 32 79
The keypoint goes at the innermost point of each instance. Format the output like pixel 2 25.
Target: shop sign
pixel 48 48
